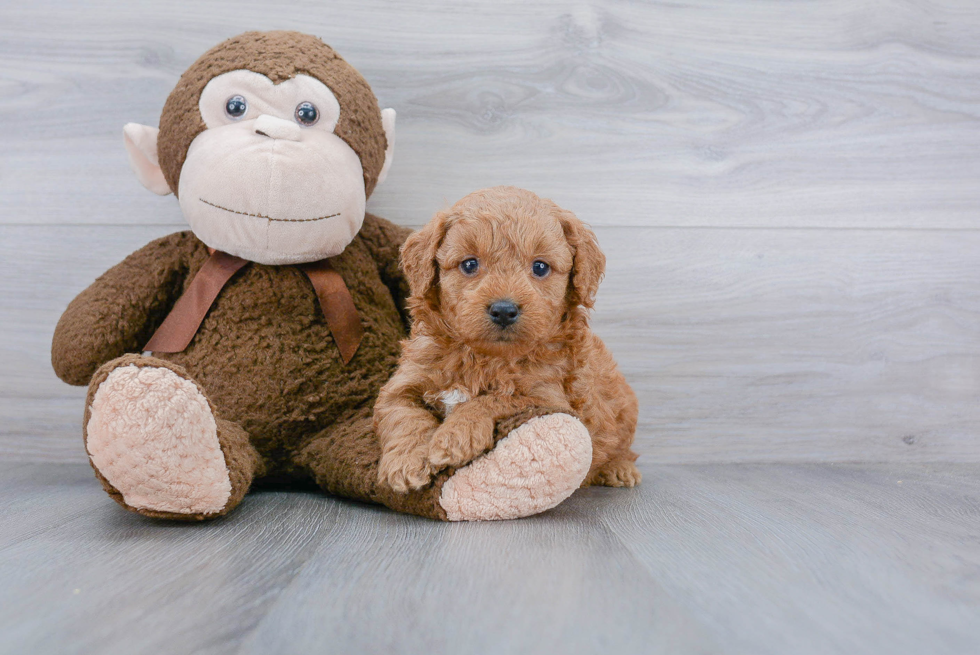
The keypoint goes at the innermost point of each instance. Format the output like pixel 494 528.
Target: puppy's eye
pixel 540 269
pixel 306 114
pixel 470 266
pixel 236 106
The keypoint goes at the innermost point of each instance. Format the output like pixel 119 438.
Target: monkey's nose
pixel 503 312
pixel 277 128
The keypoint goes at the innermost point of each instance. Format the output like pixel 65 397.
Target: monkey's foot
pixel 535 467
pixel 152 436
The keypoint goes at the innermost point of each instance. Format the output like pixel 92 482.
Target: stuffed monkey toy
pixel 252 347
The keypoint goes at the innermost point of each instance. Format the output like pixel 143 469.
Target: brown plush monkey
pixel 274 322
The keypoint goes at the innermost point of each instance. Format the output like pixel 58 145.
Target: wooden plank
pixel 753 559
pixel 812 559
pixel 555 583
pixel 103 580
pixel 797 345
pixel 858 113
pixel 40 498
pixel 743 345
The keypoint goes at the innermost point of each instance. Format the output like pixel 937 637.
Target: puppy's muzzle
pixel 503 312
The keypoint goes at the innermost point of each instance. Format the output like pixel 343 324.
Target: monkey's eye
pixel 540 269
pixel 470 266
pixel 306 114
pixel 236 106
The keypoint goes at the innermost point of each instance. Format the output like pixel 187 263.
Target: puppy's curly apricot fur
pixel 501 286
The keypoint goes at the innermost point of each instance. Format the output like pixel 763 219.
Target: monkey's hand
pixel 466 434
pixel 119 312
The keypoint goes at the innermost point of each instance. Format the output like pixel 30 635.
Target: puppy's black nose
pixel 503 312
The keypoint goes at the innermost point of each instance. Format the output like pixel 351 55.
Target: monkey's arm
pixel 384 239
pixel 119 312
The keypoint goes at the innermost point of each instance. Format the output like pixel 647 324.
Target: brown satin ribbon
pixel 337 306
pixel 184 320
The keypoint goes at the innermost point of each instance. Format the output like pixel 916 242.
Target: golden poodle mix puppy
pixel 501 286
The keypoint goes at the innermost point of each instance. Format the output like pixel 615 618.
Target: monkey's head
pixel 272 144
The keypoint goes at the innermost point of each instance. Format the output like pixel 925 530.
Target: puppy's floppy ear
pixel 418 255
pixel 588 262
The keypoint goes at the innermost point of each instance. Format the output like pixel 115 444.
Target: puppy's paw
pixel 405 471
pixel 459 441
pixel 617 473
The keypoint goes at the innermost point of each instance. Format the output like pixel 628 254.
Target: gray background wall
pixel 787 193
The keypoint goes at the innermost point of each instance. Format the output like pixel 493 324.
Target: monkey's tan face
pixel 269 180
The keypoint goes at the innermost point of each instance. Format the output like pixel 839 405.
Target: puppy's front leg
pixel 404 428
pixel 467 432
pixel 404 463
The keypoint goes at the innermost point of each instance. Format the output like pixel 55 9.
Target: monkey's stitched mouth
pixel 269 218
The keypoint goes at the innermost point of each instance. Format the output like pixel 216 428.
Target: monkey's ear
pixel 388 123
pixel 418 256
pixel 588 261
pixel 141 145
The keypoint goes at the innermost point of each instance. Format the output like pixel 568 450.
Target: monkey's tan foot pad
pixel 535 467
pixel 152 435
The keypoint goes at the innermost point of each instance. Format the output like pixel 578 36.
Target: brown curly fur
pixel 287 407
pixel 549 357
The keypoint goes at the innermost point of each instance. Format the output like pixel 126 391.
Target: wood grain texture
pixel 80 575
pixel 846 113
pixel 786 193
pixel 743 345
pixel 813 559
pixel 729 559
pixel 556 583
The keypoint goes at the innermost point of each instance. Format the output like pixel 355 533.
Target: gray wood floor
pixel 740 558
pixel 788 196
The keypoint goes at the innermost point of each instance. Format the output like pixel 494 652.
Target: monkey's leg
pixel 343 460
pixel 156 445
pixel 539 458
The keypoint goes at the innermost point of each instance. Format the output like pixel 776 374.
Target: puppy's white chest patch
pixel 450 399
